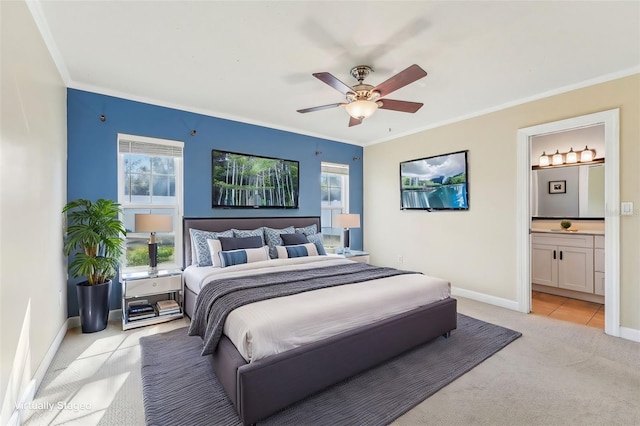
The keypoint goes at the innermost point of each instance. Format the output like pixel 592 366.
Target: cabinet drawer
pixel 570 240
pixel 155 285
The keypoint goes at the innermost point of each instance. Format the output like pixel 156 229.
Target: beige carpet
pixel 557 373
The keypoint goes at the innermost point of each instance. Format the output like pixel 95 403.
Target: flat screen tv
pixel 435 183
pixel 251 181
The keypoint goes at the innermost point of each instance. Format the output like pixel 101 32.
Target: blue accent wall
pixel 92 157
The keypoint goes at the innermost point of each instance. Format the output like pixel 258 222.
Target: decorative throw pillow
pixel 293 239
pixel 273 238
pixel 237 257
pixel 300 250
pixel 215 247
pixel 201 255
pixel 308 230
pixel 236 243
pixel 249 233
pixel 317 240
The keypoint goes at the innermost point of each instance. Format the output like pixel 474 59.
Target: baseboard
pixel 27 396
pixel 485 298
pixel 630 334
pixel 115 314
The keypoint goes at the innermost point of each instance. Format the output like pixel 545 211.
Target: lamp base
pixel 346 237
pixel 153 259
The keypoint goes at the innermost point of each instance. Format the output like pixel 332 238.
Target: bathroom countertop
pixel 570 231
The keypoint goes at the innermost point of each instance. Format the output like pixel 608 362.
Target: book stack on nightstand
pixel 167 307
pixel 140 309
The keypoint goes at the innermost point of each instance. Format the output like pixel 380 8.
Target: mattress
pixel 269 327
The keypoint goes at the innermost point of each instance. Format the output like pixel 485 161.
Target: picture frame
pixel 557 186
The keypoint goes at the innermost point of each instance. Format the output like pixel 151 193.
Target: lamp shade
pixel 361 109
pixel 154 223
pixel 544 160
pixel 347 220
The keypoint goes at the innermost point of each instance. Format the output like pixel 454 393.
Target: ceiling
pixel 252 61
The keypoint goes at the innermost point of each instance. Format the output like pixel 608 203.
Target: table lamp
pixel 346 222
pixel 153 223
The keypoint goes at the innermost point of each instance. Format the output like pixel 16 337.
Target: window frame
pixel 176 150
pixel 344 188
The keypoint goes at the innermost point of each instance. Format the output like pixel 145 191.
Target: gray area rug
pixel 180 388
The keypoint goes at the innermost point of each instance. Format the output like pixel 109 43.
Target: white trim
pixel 485 298
pixel 27 396
pixel 35 8
pixel 586 83
pixel 610 119
pixel 630 334
pixel 115 314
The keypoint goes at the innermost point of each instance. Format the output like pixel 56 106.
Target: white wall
pixel 476 249
pixel 33 191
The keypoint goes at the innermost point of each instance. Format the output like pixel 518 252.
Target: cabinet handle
pixel 554 254
pixel 560 254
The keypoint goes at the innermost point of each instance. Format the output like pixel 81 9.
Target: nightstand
pixel 356 255
pixel 140 289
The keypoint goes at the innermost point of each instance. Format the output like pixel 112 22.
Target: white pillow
pixel 298 250
pixel 215 247
pixel 240 256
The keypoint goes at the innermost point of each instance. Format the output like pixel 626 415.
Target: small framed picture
pixel 557 186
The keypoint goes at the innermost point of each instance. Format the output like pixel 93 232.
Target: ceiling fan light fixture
pixel 361 109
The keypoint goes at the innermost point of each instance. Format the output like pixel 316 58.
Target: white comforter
pixel 268 327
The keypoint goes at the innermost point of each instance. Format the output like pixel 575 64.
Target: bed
pixel 261 380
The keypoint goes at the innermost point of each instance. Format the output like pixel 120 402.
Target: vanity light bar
pixel 571 157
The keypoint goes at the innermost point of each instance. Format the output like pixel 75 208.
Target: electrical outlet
pixel 400 258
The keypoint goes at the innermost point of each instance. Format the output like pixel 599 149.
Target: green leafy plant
pixel 565 224
pixel 94 235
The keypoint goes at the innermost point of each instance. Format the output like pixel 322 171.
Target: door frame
pixel 611 121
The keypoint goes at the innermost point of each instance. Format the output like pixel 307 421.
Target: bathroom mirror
pixel 571 192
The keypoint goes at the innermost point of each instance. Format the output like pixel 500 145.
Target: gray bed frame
pixel 261 388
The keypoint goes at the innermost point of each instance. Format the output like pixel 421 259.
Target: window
pixel 150 181
pixel 334 185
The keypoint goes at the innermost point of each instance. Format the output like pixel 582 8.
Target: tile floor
pixel 566 309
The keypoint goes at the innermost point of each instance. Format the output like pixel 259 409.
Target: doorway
pixel 610 120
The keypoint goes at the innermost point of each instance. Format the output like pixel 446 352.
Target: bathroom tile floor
pixel 566 309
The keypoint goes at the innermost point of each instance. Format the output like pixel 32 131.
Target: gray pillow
pixel 236 243
pixel 201 255
pixel 273 238
pixel 294 239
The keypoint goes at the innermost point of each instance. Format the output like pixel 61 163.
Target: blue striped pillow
pixel 239 257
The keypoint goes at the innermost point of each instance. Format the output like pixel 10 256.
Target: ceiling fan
pixel 364 99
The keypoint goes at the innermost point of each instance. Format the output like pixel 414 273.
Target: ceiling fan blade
pixel 329 79
pixel 354 121
pixel 402 106
pixel 319 108
pixel 409 75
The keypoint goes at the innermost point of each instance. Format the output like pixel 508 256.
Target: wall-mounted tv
pixel 435 183
pixel 251 181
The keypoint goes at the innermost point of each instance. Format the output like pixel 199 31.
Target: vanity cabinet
pixel 564 261
pixel 598 261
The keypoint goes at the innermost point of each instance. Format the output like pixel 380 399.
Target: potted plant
pixel 94 235
pixel 565 224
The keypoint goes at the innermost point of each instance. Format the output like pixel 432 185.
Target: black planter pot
pixel 93 301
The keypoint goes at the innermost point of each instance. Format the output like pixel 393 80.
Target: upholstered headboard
pixel 219 224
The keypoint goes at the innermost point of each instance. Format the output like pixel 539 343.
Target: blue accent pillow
pixel 200 254
pixel 317 240
pixel 300 250
pixel 238 257
pixel 297 251
pixel 273 238
pixel 235 257
pixel 236 243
